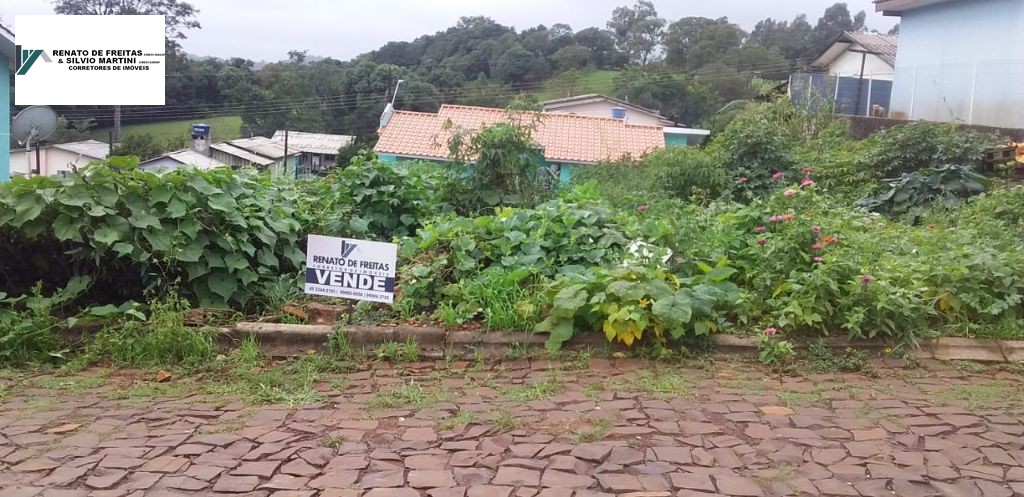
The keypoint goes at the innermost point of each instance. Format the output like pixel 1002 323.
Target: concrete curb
pixel 285 340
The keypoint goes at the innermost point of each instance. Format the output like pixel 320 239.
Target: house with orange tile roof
pixel 566 140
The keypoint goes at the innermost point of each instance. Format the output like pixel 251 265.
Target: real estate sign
pixel 352 269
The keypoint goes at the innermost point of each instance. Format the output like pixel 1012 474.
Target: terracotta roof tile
pixel 564 137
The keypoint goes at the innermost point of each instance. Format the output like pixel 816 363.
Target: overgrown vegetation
pixel 760 229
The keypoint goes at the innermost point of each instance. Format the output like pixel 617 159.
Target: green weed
pixel 408 351
pixel 598 432
pixel 537 391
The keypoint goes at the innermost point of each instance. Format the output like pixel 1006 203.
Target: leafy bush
pixel 911 147
pixel 688 173
pixel 753 149
pixel 499 165
pixel 217 234
pixel 28 326
pixel 625 302
pixel 161 340
pixel 912 193
pixel 372 199
pixel 549 239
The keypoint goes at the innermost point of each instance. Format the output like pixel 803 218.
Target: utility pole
pixel 117 123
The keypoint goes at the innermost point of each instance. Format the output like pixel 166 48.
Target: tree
pixel 692 42
pixel 178 15
pixel 833 23
pixel 791 39
pixel 142 145
pixel 637 30
pixel 894 30
pixel 513 64
pixel 297 56
pixel 757 60
pixel 572 57
pixel 71 131
pixel 601 44
pixel 674 95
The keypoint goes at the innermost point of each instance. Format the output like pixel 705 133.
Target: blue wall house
pixel 6 69
pixel 959 61
pixel 566 141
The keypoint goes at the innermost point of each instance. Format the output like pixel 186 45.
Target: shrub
pixel 372 199
pixel 162 340
pixel 508 299
pixel 688 173
pixel 28 326
pixel 630 303
pixel 753 148
pixel 908 196
pixel 549 239
pixel 218 234
pixel 911 147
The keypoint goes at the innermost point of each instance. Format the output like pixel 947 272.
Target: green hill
pixel 223 128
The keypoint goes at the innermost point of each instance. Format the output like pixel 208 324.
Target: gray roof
pixel 263 146
pixel 185 158
pixel 314 143
pixel 882 46
pixel 241 153
pixel 88 148
pixel 897 7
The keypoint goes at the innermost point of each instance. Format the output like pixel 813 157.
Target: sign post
pixel 351 269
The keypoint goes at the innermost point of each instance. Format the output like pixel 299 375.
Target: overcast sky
pixel 268 29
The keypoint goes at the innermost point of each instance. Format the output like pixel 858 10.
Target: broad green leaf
pixel 26 209
pixel 267 258
pixel 222 202
pixel 159 240
pixel 196 270
pixel 247 276
pixel 143 219
pixel 569 299
pixel 358 225
pixel 192 252
pixel 160 194
pixel 106 235
pixel 235 262
pixel 222 284
pixel 123 248
pixel 66 228
pixel 175 208
pixel 674 311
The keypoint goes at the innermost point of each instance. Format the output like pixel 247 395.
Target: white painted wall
pixel 604 109
pixel 53 159
pixel 962 62
pixel 848 64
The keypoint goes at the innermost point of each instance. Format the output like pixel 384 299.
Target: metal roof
pixel 882 46
pixel 314 143
pixel 190 157
pixel 88 148
pixel 559 103
pixel 241 153
pixel 263 146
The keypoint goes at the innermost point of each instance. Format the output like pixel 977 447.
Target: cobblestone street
pixel 523 428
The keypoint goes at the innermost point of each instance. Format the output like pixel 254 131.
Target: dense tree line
pixel 687 68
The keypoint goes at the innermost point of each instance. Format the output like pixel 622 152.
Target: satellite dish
pixel 34 124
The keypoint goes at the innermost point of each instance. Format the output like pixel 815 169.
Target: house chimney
pixel 201 139
pixel 618 113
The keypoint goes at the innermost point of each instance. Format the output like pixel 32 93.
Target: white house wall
pixel 54 160
pixel 604 109
pixel 962 62
pixel 848 64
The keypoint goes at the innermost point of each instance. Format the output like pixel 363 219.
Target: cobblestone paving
pixel 525 429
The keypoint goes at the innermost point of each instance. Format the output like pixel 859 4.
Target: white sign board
pixel 89 60
pixel 352 269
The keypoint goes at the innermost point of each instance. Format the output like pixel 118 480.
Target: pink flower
pixel 815 229
pixel 806 182
pixel 744 179
pixel 807 170
pixel 775 219
pixel 866 279
pixel 759 229
pixel 761 241
pixel 788 217
pixel 770 331
pixel 789 193
pixel 819 260
pixel 829 239
pixel 777 176
pixel 816 246
pixel 642 208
